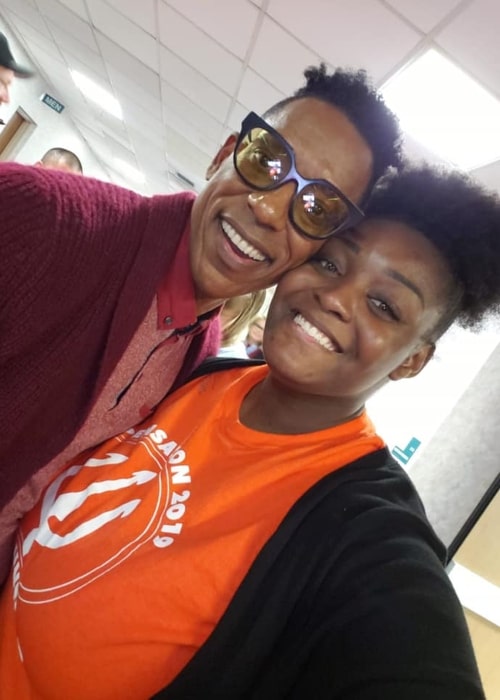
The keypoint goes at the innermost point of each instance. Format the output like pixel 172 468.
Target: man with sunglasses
pixel 112 298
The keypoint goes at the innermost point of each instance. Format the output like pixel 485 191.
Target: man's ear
pixel 414 363
pixel 224 152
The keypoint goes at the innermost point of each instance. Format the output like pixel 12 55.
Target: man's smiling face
pixel 242 239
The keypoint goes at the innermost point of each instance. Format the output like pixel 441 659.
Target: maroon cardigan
pixel 80 264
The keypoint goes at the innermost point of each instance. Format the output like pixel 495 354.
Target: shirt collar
pixel 175 297
pixel 176 302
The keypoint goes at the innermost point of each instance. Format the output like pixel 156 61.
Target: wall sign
pixel 52 103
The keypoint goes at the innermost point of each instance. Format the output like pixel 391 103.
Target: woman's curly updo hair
pixel 462 220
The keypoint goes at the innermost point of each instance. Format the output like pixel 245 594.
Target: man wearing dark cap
pixel 9 69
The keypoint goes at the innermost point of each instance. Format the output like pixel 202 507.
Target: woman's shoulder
pixel 371 499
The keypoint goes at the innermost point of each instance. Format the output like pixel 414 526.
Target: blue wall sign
pixel 405 454
pixel 53 103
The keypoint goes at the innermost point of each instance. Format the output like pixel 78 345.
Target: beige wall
pixel 480 554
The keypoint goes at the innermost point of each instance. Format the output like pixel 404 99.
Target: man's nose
pixel 271 208
pixel 4 96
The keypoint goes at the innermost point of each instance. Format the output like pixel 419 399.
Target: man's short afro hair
pixel 351 92
pixel 461 219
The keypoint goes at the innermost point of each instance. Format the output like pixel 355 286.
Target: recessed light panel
pixel 444 109
pixel 95 93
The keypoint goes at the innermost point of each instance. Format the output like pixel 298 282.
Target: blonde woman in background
pixel 236 317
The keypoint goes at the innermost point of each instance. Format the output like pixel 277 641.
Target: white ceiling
pixel 186 71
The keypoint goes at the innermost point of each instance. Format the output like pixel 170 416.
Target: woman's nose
pixel 271 208
pixel 338 297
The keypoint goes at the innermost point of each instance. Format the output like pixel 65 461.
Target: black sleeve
pixel 385 619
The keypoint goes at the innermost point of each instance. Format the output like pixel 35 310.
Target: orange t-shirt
pixel 134 551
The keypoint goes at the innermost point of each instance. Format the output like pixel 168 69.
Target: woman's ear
pixel 414 363
pixel 224 152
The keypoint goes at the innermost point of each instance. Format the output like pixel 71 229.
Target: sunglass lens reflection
pixel 261 159
pixel 317 210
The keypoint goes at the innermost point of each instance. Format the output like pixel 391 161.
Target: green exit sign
pixel 53 103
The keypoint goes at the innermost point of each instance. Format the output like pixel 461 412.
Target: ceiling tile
pixel 100 121
pixel 230 22
pixel 119 149
pixel 124 32
pixel 256 93
pixel 354 37
pixel 141 119
pixel 424 14
pixel 198 49
pixel 99 77
pixel 88 125
pixel 114 128
pixel 68 21
pixel 142 13
pixel 208 146
pixel 42 39
pixel 27 32
pixel 148 154
pixel 78 7
pixel 126 90
pixel 175 102
pixel 129 66
pixel 238 113
pixel 188 80
pixel 23 9
pixel 72 47
pixel 49 61
pixel 471 39
pixel 280 58
pixel 64 86
pixel 96 142
pixel 147 148
pixel 182 155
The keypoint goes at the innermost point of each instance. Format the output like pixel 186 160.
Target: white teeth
pixel 314 332
pixel 241 244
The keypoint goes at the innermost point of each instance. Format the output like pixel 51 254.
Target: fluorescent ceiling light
pixel 446 111
pixel 128 171
pixel 97 94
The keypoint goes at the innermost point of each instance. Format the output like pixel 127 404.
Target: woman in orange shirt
pixel 253 539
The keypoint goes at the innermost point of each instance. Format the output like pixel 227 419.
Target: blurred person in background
pixel 9 69
pixel 236 315
pixel 255 337
pixel 61 159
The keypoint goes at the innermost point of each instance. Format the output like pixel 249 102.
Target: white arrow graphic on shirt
pixel 65 504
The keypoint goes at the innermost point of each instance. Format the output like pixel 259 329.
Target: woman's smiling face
pixel 358 313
